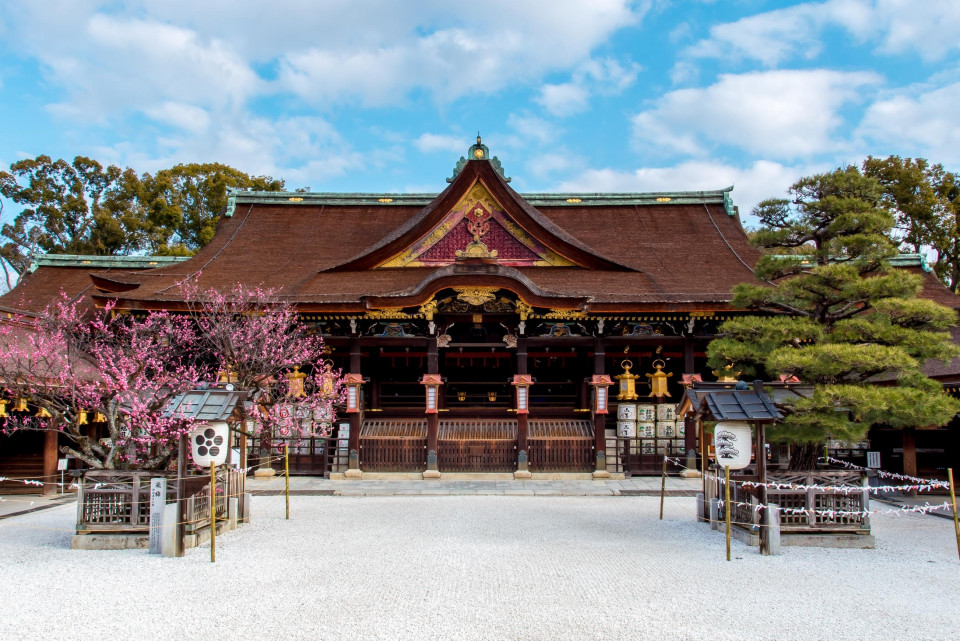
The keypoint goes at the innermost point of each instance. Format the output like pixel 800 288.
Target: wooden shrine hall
pixel 480 329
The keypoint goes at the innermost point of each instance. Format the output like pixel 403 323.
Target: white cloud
pixel 112 57
pixel 428 143
pixel 783 114
pixel 181 115
pixel 917 121
pixel 605 76
pixel 753 183
pixel 303 150
pixel 506 42
pixel 564 99
pixel 928 28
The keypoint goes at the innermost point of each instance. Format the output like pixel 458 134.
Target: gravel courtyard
pixel 478 567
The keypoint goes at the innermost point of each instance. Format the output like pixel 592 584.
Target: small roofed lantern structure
pixel 628 382
pixel 735 411
pixel 658 380
pixel 523 382
pixel 600 383
pixel 295 387
pixel 210 408
pixel 328 382
pixel 353 383
pixel 432 383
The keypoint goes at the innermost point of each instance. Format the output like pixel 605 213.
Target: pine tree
pixel 838 317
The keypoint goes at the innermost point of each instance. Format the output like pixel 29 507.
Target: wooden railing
pixel 839 492
pixel 487 455
pixel 119 501
pixel 560 454
pixel 399 454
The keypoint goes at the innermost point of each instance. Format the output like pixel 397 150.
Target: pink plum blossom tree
pixel 76 368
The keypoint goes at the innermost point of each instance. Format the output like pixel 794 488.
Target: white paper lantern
pixel 210 443
pixel 733 443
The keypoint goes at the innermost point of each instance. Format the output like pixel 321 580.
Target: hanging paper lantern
pixel 733 443
pixel 209 443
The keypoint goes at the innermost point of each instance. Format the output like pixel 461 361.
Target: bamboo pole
pixel 663 484
pixel 726 504
pixel 953 500
pixel 286 471
pixel 213 512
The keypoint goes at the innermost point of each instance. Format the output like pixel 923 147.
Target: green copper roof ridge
pixel 85 260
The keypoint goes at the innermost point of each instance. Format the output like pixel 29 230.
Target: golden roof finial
pixel 478 137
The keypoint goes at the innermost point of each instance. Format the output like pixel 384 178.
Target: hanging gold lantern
pixel 658 380
pixel 295 389
pixel 20 405
pixel 3 408
pixel 328 379
pixel 461 396
pixel 42 413
pixel 492 397
pixel 628 382
pixel 82 418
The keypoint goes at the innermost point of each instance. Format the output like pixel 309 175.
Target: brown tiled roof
pixel 44 284
pixel 321 255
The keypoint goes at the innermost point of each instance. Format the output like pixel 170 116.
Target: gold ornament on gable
pixel 476 295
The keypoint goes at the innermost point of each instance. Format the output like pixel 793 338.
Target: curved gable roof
pixel 534 223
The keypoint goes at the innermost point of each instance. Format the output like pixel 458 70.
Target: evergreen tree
pixel 838 317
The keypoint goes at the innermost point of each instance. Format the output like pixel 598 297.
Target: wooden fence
pixel 116 501
pixel 560 446
pixel 839 491
pixel 477 445
pixel 393 445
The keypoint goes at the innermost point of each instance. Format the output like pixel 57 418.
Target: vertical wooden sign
pixel 158 499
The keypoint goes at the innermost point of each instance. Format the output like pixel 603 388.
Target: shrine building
pixel 481 329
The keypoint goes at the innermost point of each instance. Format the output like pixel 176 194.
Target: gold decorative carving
pixel 476 295
pixel 565 314
pixel 428 309
pixel 476 249
pixel 524 309
pixel 477 194
pixel 388 313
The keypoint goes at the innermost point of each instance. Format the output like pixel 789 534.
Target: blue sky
pixel 599 95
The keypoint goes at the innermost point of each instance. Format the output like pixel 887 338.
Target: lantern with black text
pixel 353 383
pixel 432 383
pixel 523 382
pixel 3 408
pixel 600 383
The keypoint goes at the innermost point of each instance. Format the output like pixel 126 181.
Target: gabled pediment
pixel 477 227
pixel 479 217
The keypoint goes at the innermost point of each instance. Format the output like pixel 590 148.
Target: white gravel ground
pixel 478 567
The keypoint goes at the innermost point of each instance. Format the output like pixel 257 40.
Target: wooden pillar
pixel 433 421
pixel 600 420
pixel 523 425
pixel 50 461
pixel 910 451
pixel 688 353
pixel 354 440
pixel 522 419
